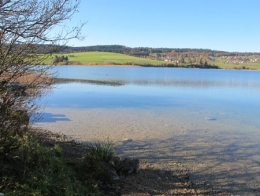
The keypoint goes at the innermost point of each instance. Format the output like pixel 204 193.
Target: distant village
pixel 201 58
pixel 240 59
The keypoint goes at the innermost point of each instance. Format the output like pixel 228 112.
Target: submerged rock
pixel 127 140
pixel 210 118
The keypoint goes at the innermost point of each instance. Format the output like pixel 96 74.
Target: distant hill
pixel 170 57
pixel 145 51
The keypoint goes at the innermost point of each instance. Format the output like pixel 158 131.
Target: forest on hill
pixel 146 51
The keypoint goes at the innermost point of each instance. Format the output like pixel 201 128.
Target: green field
pixel 107 58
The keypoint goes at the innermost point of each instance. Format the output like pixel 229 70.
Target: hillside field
pixel 106 58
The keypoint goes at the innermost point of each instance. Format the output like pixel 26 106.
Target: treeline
pixel 146 51
pixel 138 51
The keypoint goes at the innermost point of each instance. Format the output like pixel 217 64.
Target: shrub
pixel 96 159
pixel 13 124
pixel 38 170
pixel 100 151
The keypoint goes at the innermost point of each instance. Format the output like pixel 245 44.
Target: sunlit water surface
pixel 206 119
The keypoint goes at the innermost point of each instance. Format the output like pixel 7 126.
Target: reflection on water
pixel 208 119
pixel 146 82
pixel 157 76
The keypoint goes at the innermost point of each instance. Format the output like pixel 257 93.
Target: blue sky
pixel 228 25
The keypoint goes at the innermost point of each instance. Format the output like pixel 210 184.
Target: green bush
pixel 96 158
pixel 38 170
pixel 100 151
pixel 13 124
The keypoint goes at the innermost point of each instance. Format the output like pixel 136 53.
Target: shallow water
pixel 205 119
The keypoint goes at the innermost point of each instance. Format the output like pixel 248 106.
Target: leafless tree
pixel 30 31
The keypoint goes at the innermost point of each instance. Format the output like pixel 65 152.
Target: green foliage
pixel 61 59
pixel 13 124
pixel 100 151
pixel 96 158
pixel 38 170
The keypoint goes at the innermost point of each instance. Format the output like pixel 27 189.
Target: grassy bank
pixel 46 164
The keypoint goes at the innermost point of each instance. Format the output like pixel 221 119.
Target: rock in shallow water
pixel 127 140
pixel 210 118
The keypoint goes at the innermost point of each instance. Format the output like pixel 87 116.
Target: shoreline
pixel 165 177
pixel 210 156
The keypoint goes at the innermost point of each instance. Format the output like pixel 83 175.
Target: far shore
pixel 119 59
pixel 157 66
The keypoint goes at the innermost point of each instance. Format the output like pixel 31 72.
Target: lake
pixel 206 119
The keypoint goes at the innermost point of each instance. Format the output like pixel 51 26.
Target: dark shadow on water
pixel 49 117
pixel 85 81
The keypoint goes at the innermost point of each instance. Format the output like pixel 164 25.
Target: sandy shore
pixel 229 161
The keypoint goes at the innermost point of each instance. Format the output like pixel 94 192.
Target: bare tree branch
pixel 26 40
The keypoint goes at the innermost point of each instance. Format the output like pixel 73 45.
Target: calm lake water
pixel 206 119
pixel 217 91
